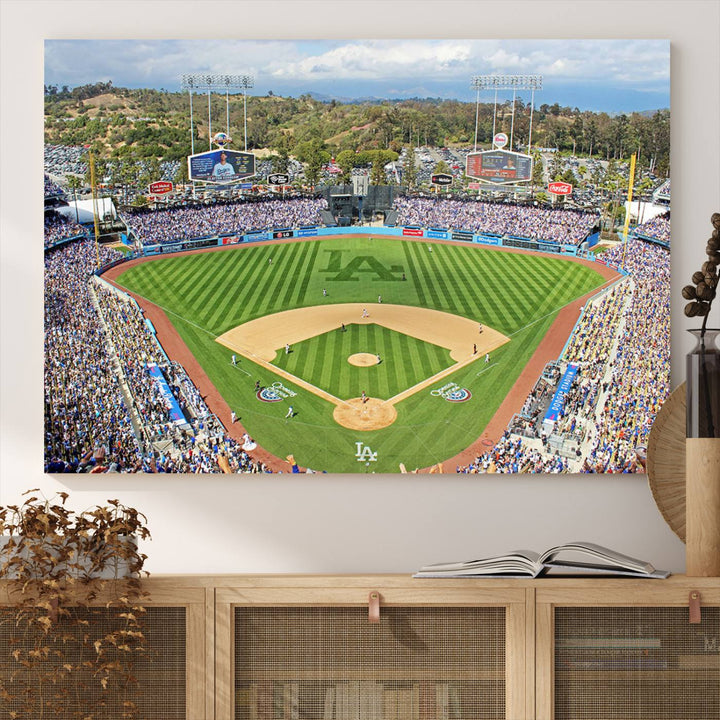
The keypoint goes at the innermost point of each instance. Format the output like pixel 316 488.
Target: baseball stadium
pixel 351 329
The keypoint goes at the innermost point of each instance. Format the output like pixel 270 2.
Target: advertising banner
pixel 464 236
pixel 255 236
pixel 558 400
pixel 441 179
pixel 525 244
pixel 278 179
pixel 560 188
pixel 174 411
pixel 160 187
pixel 415 232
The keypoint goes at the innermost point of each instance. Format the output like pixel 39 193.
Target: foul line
pixel 237 367
pixel 599 289
pixel 485 369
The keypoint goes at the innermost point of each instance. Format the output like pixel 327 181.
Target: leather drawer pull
pixel 694 604
pixel 374 607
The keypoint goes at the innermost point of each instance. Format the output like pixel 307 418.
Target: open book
pixel 575 558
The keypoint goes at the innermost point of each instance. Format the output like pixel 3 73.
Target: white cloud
pixel 292 66
pixel 379 60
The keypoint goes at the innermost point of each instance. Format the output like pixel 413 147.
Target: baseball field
pixel 389 351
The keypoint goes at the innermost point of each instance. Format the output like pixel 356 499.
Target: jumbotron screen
pixel 221 166
pixel 499 166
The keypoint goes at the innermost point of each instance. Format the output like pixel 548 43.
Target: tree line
pixel 155 123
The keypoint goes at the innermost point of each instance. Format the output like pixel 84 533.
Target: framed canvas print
pixel 354 256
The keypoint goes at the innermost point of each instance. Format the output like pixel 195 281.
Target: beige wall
pixel 344 524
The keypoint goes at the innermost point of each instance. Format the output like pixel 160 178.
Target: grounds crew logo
pixel 364 453
pixel 452 392
pixel 274 393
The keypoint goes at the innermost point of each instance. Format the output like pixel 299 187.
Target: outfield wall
pixel 412 231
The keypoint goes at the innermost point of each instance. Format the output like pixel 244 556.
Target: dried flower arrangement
pixel 70 610
pixel 703 363
pixel 703 292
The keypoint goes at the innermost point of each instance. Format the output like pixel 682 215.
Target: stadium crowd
pixel 86 421
pixel 657 228
pixel 639 373
pixel 568 227
pixel 511 455
pixel 178 224
pixel 59 228
pixel 622 346
pixel 52 188
pixel 88 427
pixel 664 189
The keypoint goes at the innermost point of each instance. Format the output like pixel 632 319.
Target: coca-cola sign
pixel 560 188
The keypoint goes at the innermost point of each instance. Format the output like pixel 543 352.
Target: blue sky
pixel 602 75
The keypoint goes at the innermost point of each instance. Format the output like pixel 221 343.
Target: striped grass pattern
pixel 405 361
pixel 219 290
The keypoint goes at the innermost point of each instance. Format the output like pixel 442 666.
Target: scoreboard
pixel 499 166
pixel 221 166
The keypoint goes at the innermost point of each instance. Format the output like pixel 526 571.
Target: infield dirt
pixel 261 339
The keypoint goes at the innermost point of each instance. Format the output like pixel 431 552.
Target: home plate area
pixel 367 414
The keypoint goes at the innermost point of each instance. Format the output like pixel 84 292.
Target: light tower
pixel 506 82
pixel 211 82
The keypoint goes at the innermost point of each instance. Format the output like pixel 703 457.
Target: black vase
pixel 703 386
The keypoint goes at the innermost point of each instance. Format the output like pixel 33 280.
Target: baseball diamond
pixel 299 320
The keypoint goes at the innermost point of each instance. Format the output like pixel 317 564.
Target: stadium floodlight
pixel 505 82
pixel 214 82
pixel 210 81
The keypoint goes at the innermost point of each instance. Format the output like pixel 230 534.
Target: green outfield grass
pixel 207 294
pixel 405 361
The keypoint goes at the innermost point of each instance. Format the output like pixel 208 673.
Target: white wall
pixel 344 523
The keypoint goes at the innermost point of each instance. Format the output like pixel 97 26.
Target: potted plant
pixel 70 609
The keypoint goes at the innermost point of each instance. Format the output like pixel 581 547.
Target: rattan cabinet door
pixel 324 660
pixel 153 681
pixel 628 663
pixel 328 663
pixel 618 651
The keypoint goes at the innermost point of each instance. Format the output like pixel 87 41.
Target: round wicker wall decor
pixel 666 461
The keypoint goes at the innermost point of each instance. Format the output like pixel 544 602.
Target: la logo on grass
pixel 360 264
pixel 364 453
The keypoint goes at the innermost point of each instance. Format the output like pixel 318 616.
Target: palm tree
pixel 74 183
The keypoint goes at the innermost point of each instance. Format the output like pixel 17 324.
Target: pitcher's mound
pixel 363 359
pixel 373 414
